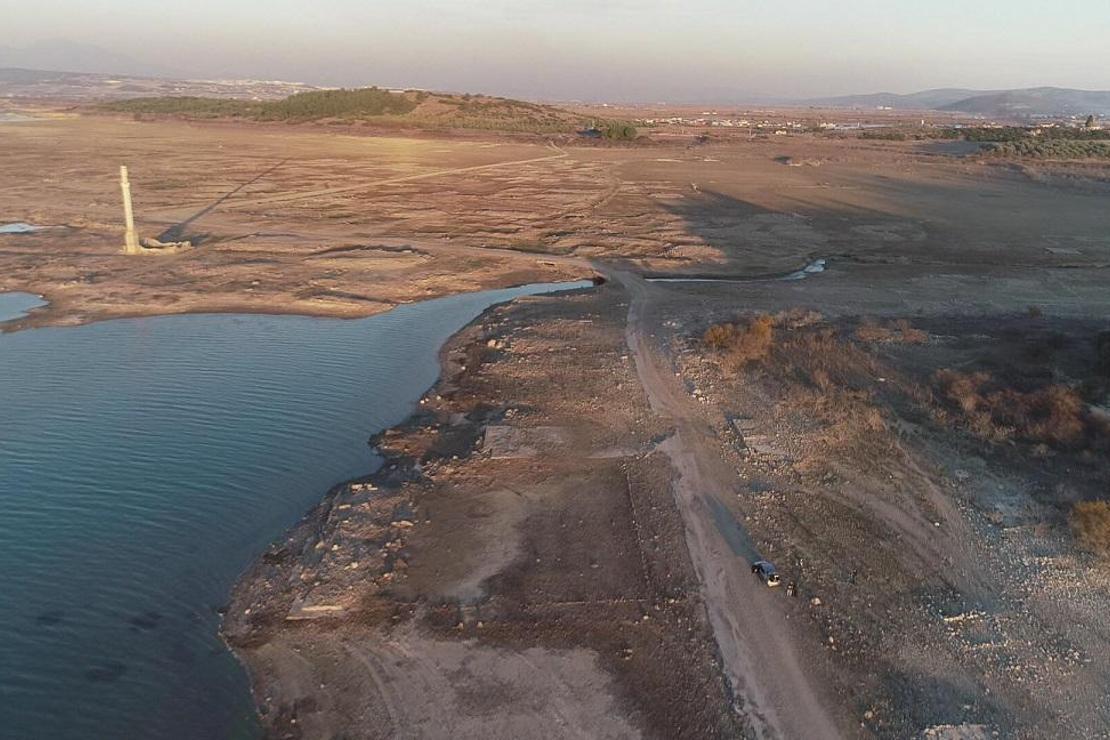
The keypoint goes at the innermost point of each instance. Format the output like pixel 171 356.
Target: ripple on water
pixel 143 464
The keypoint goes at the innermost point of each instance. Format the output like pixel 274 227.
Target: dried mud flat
pixel 559 542
pixel 301 220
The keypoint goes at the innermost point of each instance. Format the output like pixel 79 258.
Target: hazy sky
pixel 651 50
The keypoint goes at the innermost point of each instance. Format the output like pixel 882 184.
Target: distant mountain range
pixel 90 59
pixel 82 87
pixel 72 56
pixel 1033 101
pixel 1036 101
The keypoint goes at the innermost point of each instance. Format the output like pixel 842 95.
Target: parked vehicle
pixel 765 571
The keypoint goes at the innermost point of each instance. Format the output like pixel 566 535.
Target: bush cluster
pixel 1052 149
pixel 619 131
pixel 884 135
pixel 306 106
pixel 1054 414
pixel 376 105
pixel 360 103
pixel 899 331
pixel 1090 521
pixel 742 343
pixel 187 106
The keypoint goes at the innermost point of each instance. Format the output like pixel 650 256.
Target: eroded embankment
pixel 517 567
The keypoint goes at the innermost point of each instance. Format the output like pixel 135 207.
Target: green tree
pixel 619 131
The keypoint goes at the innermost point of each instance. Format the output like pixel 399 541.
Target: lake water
pixel 16 305
pixel 143 464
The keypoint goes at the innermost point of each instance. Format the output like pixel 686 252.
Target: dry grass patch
pixel 893 332
pixel 1054 414
pixel 742 343
pixel 1090 520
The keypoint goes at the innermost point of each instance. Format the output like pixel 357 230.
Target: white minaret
pixel 130 239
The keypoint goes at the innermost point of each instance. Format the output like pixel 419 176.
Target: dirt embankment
pixel 517 568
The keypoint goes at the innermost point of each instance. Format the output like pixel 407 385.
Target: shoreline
pixel 52 314
pixel 442 592
pixel 392 472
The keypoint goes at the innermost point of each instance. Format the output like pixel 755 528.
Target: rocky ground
pixel 513 527
pixel 517 566
pixel 935 564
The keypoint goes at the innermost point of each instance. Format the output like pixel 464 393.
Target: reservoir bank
pixel 144 463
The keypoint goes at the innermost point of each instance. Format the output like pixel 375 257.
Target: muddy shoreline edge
pixel 235 628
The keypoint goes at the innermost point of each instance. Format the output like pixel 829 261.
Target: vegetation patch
pixel 1055 414
pixel 1019 133
pixel 619 131
pixel 1051 149
pixel 742 343
pixel 1090 521
pixel 189 106
pixel 372 105
pixel 370 101
pixel 899 331
pixel 306 106
pixel 884 135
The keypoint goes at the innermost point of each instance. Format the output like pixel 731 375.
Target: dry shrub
pixel 741 344
pixel 898 332
pixel 719 336
pixel 962 389
pixel 1090 520
pixel 873 332
pixel 819 358
pixel 798 318
pixel 1055 414
pixel 908 334
pixel 820 378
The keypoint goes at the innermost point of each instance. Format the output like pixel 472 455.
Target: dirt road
pixel 292 197
pixel 761 663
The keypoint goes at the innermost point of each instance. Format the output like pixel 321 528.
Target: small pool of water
pixel 10 117
pixel 19 227
pixel 813 268
pixel 16 305
pixel 144 463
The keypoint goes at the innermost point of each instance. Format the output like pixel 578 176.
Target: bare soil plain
pixel 560 541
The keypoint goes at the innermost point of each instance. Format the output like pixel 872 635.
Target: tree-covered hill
pixel 372 105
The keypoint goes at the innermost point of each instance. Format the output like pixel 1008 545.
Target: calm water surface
pixel 16 305
pixel 143 464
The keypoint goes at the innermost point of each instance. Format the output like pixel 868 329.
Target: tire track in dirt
pixel 760 661
pixel 290 197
